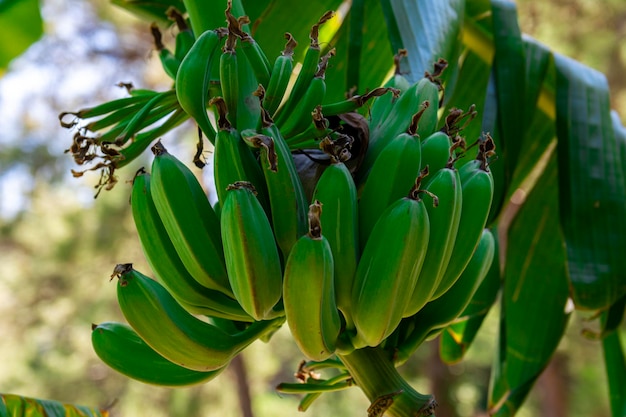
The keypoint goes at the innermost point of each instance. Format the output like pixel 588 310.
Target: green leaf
pixel 375 54
pixel 615 365
pixel 470 89
pixel 540 130
pixel 430 29
pixel 151 10
pixel 510 77
pixel 591 184
pixel 535 287
pixel 271 19
pixel 20 21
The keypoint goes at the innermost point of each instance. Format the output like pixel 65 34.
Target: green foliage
pixel 20 21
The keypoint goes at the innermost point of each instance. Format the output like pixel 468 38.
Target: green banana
pixel 255 55
pixel 143 139
pixel 444 224
pixel 167 265
pixel 389 267
pixel 336 190
pixel 193 77
pixel 309 292
pixel 421 102
pixel 233 160
pixel 137 117
pixel 229 79
pixel 169 61
pixel 355 102
pixel 238 78
pixel 438 313
pixel 309 68
pixel 174 333
pixel 300 116
pixel 121 348
pixel 398 83
pixel 189 220
pixel 435 153
pixel 286 194
pixel 391 175
pixel 116 117
pixel 252 258
pixel 477 189
pixel 184 38
pixel 155 109
pixel 310 137
pixel 280 76
pixel 113 106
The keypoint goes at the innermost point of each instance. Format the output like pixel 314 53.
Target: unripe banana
pixel 382 106
pixel 309 292
pixel 307 72
pixel 192 79
pixel 152 111
pixel 300 117
pixel 310 136
pixel 169 61
pixel 252 258
pixel 444 224
pixel 444 310
pixel 256 58
pixel 189 220
pixel 167 265
pixel 286 194
pixel 143 139
pixel 477 189
pixel 435 153
pixel 229 77
pixel 280 76
pixel 233 160
pixel 174 333
pixel 184 38
pixel 121 348
pixel 418 105
pixel 392 174
pixel 388 269
pixel 237 76
pixel 355 102
pixel 336 190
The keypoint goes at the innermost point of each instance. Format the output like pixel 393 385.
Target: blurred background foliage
pixel 58 243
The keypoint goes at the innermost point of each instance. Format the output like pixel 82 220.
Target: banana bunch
pixel 383 246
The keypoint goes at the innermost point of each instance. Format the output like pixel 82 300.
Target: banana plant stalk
pixel 390 394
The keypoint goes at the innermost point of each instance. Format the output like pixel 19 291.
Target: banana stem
pixel 374 372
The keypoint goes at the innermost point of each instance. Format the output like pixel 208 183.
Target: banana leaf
pixel 535 287
pixel 150 9
pixel 591 186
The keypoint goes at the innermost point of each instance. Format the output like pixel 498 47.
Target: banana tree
pixel 541 122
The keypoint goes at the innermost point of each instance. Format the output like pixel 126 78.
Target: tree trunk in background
pixel 238 368
pixel 552 388
pixel 441 381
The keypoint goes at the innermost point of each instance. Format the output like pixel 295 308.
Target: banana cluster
pixel 385 247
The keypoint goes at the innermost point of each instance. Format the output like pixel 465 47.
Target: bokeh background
pixel 58 245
